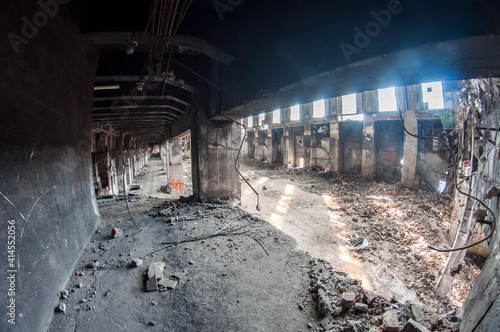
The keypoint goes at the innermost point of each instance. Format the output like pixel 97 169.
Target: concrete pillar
pixel 335 108
pixel 413 101
pixel 368 154
pixel 215 147
pixel 175 171
pixel 334 146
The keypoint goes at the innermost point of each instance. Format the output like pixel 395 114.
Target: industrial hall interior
pixel 250 165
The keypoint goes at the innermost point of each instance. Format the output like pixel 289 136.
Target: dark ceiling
pixel 262 45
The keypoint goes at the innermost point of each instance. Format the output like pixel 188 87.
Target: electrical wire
pixel 258 207
pixel 454 163
pixel 205 237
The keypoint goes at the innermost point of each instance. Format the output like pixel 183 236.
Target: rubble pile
pixel 392 225
pixel 344 305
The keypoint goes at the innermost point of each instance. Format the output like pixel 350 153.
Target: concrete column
pixel 412 99
pixel 286 146
pixel 334 146
pixel 410 150
pixel 368 156
pixel 215 147
pixel 335 108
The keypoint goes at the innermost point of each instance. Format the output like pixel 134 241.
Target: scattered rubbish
pixel 358 243
pixel 134 187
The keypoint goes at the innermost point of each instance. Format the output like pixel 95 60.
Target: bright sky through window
pixel 349 104
pixel 387 100
pixel 295 113
pixel 277 116
pixel 319 108
pixel 433 95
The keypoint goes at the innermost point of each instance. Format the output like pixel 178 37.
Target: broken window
pixel 387 100
pixel 319 108
pixel 319 132
pixel 277 116
pixel 349 109
pixel 295 113
pixel 433 95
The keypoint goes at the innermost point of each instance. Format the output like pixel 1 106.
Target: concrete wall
pixel 373 147
pixel 46 89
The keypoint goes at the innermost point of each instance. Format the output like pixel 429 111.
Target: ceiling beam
pixel 115 41
pixel 136 107
pixel 150 78
pixel 180 101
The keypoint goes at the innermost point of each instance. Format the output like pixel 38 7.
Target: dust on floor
pixel 250 277
pixel 373 231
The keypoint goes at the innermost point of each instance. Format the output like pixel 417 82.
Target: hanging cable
pixel 454 163
pixel 258 207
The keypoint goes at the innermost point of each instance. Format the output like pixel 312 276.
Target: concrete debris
pixel 167 283
pixel 368 297
pixel 191 262
pixel 391 323
pixel 348 307
pixel 136 262
pixel 93 265
pixel 179 275
pixel 64 294
pixel 156 268
pixel 61 307
pixel 413 326
pixel 348 299
pixel 360 307
pixel 424 315
pixel 116 232
pixel 324 306
pixel 152 284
